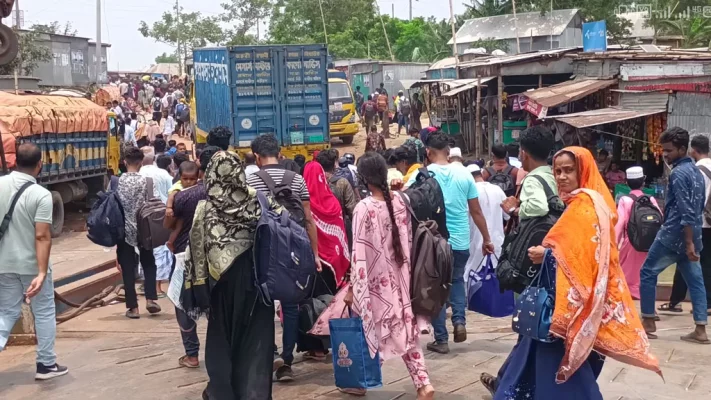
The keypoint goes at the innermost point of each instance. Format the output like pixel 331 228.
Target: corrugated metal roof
pixel 494 60
pixel 164 69
pixel 467 86
pixel 449 62
pixel 603 116
pixel 566 92
pixel 635 100
pixel 691 111
pixel 502 26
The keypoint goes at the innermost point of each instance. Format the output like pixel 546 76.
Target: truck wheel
pixel 8 44
pixel 347 139
pixel 57 214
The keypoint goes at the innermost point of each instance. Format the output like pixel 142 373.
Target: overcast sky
pixel 131 51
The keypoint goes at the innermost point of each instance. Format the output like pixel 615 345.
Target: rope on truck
pixel 107 296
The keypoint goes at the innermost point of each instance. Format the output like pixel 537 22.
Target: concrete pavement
pixel 111 357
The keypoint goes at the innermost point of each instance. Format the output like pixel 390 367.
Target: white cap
pixel 473 168
pixel 455 152
pixel 635 173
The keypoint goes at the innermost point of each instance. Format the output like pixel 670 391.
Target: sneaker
pixel 284 374
pixel 460 333
pixel 44 372
pixel 278 363
pixel 438 347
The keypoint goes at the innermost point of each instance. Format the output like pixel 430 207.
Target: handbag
pixel 484 295
pixel 534 308
pixel 352 366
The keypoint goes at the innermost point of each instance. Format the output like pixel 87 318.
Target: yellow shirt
pixel 410 171
pixel 177 186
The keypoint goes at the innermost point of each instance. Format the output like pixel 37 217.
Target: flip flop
pixel 182 361
pixel 692 339
pixel 667 307
pixel 489 382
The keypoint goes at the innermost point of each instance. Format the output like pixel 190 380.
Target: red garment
pixel 328 217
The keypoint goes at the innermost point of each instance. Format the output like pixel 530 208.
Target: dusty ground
pixel 112 358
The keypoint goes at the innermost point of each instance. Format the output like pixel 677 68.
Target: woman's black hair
pixel 373 170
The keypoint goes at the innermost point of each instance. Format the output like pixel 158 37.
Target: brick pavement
pixel 113 358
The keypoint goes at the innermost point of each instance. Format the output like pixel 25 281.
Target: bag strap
pixel 406 200
pixel 705 170
pixel 508 169
pixel 289 176
pixel 149 188
pixel 547 189
pixel 633 197
pixel 8 217
pixel 267 179
pixel 491 171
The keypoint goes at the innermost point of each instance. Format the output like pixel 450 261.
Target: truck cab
pixel 341 110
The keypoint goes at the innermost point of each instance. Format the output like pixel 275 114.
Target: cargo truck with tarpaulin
pixel 76 138
pixel 256 90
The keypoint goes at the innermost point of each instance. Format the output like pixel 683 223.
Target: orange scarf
pixel 593 306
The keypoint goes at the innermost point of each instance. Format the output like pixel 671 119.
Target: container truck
pixel 256 90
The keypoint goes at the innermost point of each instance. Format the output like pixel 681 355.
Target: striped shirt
pixel 276 172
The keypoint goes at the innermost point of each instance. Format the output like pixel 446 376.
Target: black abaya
pixel 240 333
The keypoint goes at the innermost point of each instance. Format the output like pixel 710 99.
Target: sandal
pixel 153 308
pixel 489 382
pixel 132 314
pixel 354 392
pixel 183 362
pixel 691 338
pixel 669 307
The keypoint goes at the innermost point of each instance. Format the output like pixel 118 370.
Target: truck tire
pixel 57 214
pixel 347 139
pixel 8 44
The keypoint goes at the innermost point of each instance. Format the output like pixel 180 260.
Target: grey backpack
pixel 149 221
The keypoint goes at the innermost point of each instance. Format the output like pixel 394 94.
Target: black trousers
pixel 679 287
pixel 128 259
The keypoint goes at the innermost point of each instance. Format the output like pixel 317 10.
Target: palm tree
pixel 487 8
pixel 696 32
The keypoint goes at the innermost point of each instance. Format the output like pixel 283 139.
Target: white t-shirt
pixel 490 198
pixel 162 181
pixel 169 126
pixel 118 111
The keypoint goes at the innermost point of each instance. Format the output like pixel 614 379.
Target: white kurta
pixel 490 198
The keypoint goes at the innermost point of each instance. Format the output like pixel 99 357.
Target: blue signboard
pixel 595 36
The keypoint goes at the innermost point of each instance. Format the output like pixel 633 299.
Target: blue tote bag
pixel 352 366
pixel 484 295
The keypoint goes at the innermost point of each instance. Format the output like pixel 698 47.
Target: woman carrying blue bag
pixel 378 294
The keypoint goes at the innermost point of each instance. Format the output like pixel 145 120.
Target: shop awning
pixel 539 100
pixel 603 116
pixel 408 84
pixel 456 86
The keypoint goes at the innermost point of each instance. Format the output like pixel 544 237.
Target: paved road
pixel 113 358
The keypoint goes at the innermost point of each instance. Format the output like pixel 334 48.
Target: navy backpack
pixel 106 224
pixel 284 264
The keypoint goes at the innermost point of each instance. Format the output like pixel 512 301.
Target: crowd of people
pixel 375 109
pixel 356 214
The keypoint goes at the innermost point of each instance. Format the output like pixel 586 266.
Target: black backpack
pixel 432 266
pixel 370 109
pixel 515 270
pixel 405 108
pixel 645 221
pixel 284 195
pixel 157 104
pixel 503 179
pixel 427 201
pixel 105 224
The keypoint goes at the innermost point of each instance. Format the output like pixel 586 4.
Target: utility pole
pixel 177 27
pixel 410 10
pixel 97 62
pixel 518 43
pixel 385 31
pixel 393 9
pixel 454 39
pixel 323 20
pixel 19 59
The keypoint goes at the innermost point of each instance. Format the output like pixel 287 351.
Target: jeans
pixel 457 299
pixel 290 333
pixel 128 259
pixel 679 288
pixel 188 327
pixel 12 289
pixel 658 259
pixel 404 120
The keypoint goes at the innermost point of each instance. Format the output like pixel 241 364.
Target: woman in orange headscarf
pixel 594 316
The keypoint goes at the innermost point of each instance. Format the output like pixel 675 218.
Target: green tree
pixel 696 31
pixel 31 54
pixel 194 30
pixel 243 16
pixel 167 59
pixel 490 8
pixel 594 10
pixel 55 28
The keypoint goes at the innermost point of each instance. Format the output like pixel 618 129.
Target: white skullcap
pixel 473 168
pixel 635 173
pixel 455 152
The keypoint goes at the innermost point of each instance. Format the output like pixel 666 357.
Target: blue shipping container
pixel 253 90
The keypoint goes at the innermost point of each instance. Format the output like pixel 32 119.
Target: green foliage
pixel 594 10
pixel 167 59
pixel 55 28
pixel 195 30
pixel 242 16
pixel 31 54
